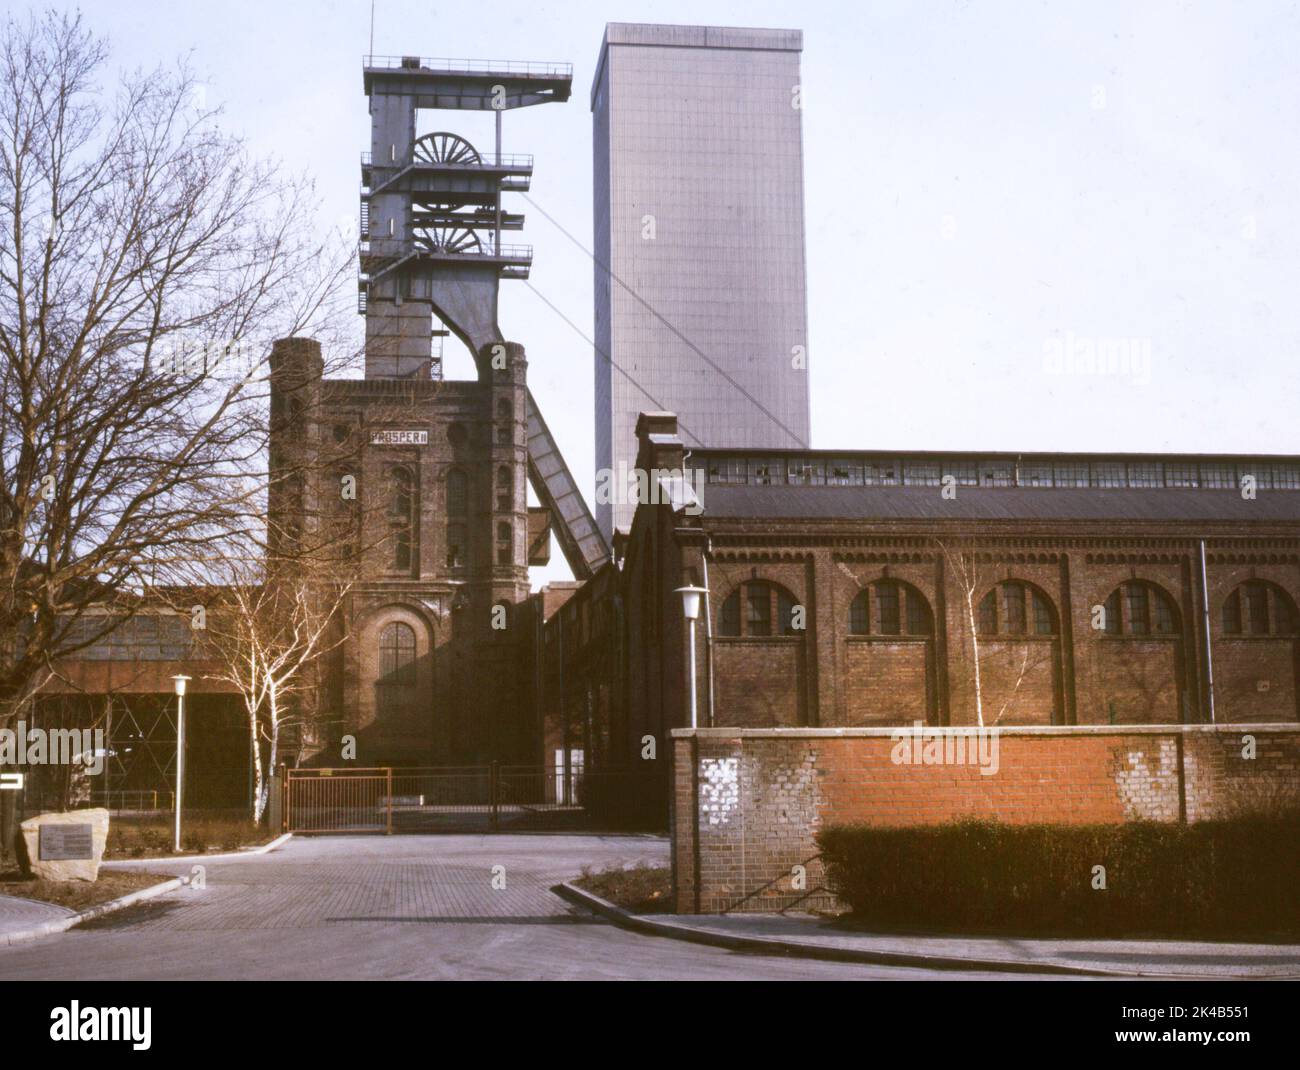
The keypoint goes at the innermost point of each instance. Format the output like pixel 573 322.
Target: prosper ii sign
pixel 399 438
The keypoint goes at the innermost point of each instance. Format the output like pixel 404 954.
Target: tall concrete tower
pixel 701 303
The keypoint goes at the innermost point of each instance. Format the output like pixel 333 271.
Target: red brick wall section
pixel 761 681
pixel 1256 679
pixel 1019 681
pixel 748 803
pixel 886 682
pixel 1138 680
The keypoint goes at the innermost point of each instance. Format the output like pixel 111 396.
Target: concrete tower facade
pixel 700 292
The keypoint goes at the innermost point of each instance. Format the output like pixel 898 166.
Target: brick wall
pixel 747 804
pixel 765 677
pixel 1078 675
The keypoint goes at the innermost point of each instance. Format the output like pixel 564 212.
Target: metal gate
pixel 476 798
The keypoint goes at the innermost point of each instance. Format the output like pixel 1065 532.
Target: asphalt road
pixel 393 908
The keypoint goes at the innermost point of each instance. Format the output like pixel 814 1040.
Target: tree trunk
pixel 255 755
pixel 975 651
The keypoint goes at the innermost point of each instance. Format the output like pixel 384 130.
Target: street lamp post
pixel 691 611
pixel 180 682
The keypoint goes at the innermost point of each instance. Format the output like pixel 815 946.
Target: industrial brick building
pixel 439 519
pixel 855 590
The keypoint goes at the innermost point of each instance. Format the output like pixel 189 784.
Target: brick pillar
pixel 684 822
pixel 821 644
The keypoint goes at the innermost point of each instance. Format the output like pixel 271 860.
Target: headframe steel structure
pixel 431 243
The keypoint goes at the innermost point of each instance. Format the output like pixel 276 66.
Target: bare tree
pixel 145 265
pixel 269 628
pixel 963 565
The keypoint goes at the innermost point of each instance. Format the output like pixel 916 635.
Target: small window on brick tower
pixel 456 546
pixel 505 422
pixel 505 490
pixel 505 544
pixel 401 517
pixel 457 493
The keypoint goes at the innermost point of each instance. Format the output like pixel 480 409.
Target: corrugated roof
pixel 996 503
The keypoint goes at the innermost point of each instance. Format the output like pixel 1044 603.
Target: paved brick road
pixel 373 907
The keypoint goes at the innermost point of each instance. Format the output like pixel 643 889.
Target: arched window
pixel 505 543
pixel 505 410
pixel 1139 608
pixel 889 607
pixel 1258 607
pixel 401 517
pixel 756 609
pixel 395 688
pixel 1015 608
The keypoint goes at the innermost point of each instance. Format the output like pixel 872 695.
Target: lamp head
pixel 691 601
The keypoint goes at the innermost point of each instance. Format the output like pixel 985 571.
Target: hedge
pixel 1230 878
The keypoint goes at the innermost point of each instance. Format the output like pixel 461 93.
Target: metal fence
pixel 478 798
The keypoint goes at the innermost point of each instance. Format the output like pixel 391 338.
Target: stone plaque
pixel 61 843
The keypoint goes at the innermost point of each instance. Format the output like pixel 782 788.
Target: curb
pixel 64 924
pixel 263 849
pixel 776 946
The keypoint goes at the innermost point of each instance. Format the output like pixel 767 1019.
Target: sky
pixel 992 192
